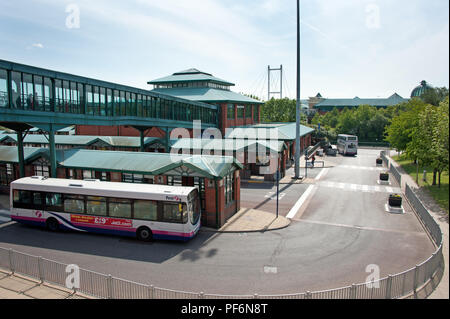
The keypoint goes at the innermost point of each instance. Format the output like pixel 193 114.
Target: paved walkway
pixel 252 220
pixel 21 287
pixel 441 217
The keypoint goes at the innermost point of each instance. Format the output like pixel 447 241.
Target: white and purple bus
pixel 134 210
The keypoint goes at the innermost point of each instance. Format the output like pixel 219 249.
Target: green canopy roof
pixel 230 145
pixel 208 95
pixel 280 131
pixel 191 75
pixel 85 140
pixel 211 167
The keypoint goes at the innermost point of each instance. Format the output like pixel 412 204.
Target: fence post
pixel 110 287
pixel 308 295
pixel 389 287
pixel 41 270
pixel 151 292
pixel 201 295
pixel 353 292
pixel 11 262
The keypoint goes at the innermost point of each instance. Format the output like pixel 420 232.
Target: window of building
pixel 248 111
pixel 240 111
pixel 41 170
pixel 229 189
pixel 230 111
pixel 3 88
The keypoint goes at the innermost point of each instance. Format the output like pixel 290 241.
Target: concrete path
pixel 21 287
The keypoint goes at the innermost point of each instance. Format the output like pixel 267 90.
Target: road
pixel 339 230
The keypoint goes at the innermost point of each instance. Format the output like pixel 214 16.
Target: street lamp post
pixel 298 116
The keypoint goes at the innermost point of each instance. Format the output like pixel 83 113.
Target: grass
pixel 441 195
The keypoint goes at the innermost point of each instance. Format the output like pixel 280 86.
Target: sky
pixel 364 48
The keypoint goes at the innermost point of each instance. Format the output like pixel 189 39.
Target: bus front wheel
pixel 144 234
pixel 52 224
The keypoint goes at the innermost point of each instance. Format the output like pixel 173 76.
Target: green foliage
pixel 404 120
pixel 279 110
pixel 435 96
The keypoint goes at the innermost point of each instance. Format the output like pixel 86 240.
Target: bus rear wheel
pixel 144 234
pixel 52 224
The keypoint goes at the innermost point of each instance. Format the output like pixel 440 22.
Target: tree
pixel 279 110
pixel 435 96
pixel 398 133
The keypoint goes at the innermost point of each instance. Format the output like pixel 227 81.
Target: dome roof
pixel 421 89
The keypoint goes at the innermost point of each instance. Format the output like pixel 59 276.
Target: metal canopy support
pixel 21 154
pixel 51 139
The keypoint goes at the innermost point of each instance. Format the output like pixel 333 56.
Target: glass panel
pixel 255 113
pixel 27 91
pixel 59 96
pixel 230 112
pixel 120 208
pixel 90 100
pixel 53 202
pixel 96 104
pixel 109 110
pixel 240 111
pixel 16 90
pixel 48 94
pixel 172 212
pixel 3 88
pixel 37 199
pixel 75 96
pixel 67 97
pixel 96 206
pixel 81 93
pixel 38 96
pixel 123 110
pixel 248 111
pixel 23 197
pixel 146 210
pixel 74 204
pixel 103 101
pixel 116 103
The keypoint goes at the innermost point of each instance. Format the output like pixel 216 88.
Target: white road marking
pixel 300 202
pixel 322 173
pixel 360 188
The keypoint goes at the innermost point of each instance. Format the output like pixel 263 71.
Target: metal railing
pixel 109 287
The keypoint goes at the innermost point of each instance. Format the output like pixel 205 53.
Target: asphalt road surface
pixel 339 229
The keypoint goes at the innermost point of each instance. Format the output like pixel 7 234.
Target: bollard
pixel 424 175
pixel 201 295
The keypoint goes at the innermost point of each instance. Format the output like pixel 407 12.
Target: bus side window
pixel 173 212
pixel 74 204
pixel 22 199
pixel 53 202
pixel 145 210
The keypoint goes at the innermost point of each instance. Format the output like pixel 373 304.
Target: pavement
pixel 13 286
